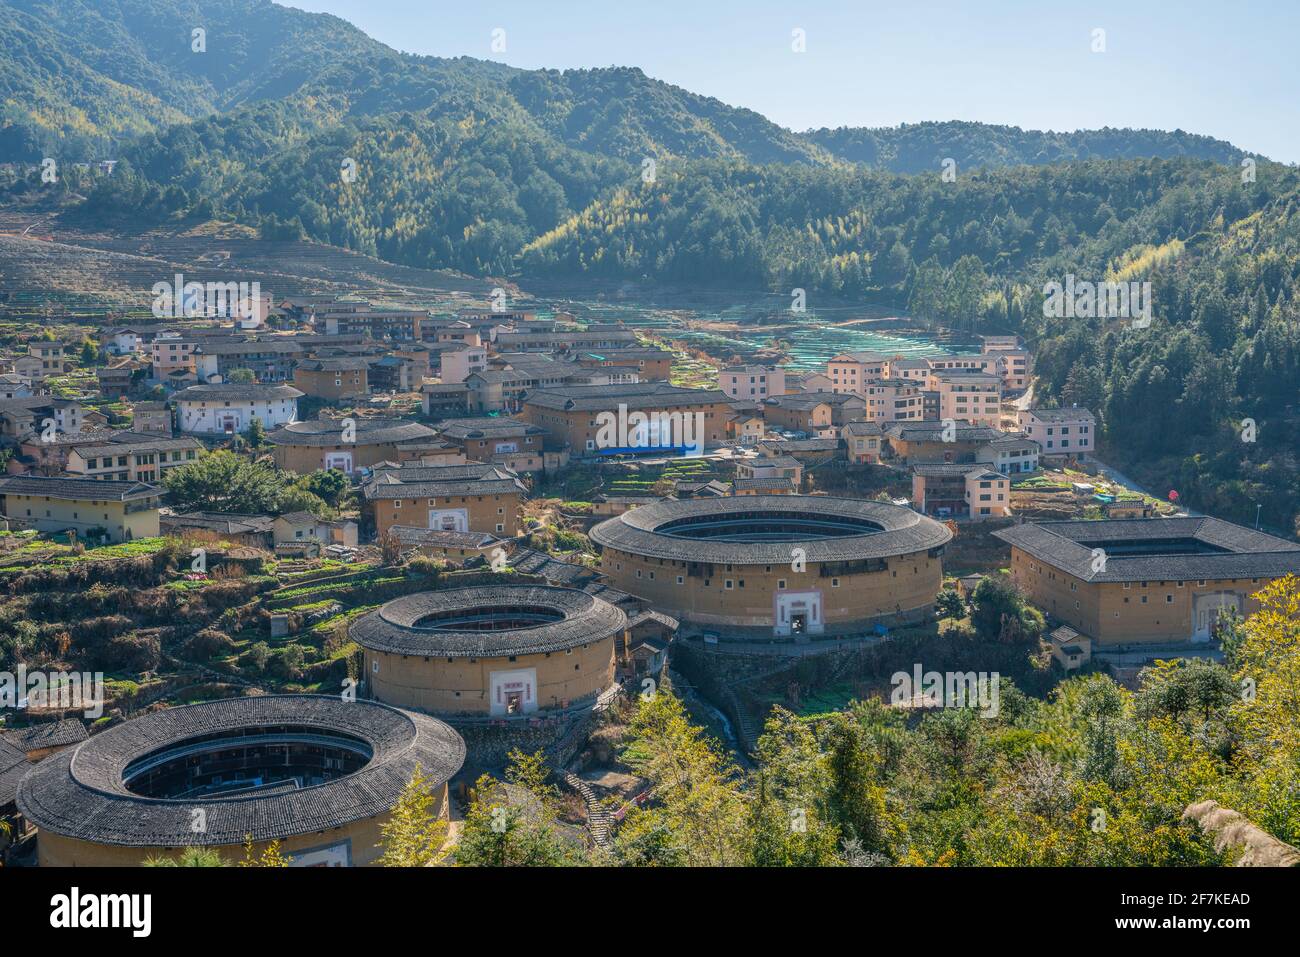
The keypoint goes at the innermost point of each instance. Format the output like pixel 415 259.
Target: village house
pixel 1010 454
pixel 459 498
pixel 844 408
pixel 334 380
pixel 752 383
pixel 959 490
pixel 862 441
pixel 967 396
pixel 1145 580
pixel 118 511
pixel 131 457
pixel 230 408
pixel 512 443
pixel 572 416
pixel 1060 432
pixel 349 445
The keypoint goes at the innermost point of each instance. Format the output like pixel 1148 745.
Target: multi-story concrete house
pixel 852 371
pixel 752 383
pixel 51 355
pixel 968 396
pixel 1060 432
pixel 1010 454
pixel 960 490
pixel 894 400
pixel 129 457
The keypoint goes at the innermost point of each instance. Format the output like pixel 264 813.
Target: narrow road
pixel 1115 475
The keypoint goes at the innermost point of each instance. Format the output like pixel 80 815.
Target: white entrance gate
pixel 1206 609
pixel 449 519
pixel 799 613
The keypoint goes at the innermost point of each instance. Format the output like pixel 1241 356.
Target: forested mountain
pixel 481 167
pixel 922 147
pixel 79 77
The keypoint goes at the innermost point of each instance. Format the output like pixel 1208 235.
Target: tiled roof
pixel 13 765
pixel 644 395
pixel 933 432
pixel 486 427
pixel 428 481
pixel 137 443
pixel 239 391
pixel 395 628
pixel 900 531
pixel 1061 415
pixel 862 428
pixel 226 523
pixel 1068 546
pixel 49 734
pixel 76 489
pixel 416 535
pixel 80 793
pixel 329 432
pixel 557 572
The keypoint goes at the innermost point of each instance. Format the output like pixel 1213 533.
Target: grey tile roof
pixel 49 734
pixel 416 535
pixel 226 523
pixel 237 391
pixel 395 627
pixel 427 481
pixel 486 427
pixel 644 395
pixel 933 432
pixel 77 489
pixel 1068 546
pixel 863 428
pixel 80 793
pixel 557 572
pixel 329 432
pixel 898 531
pixel 13 765
pixel 1061 415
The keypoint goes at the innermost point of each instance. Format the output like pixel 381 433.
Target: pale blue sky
pixel 1228 69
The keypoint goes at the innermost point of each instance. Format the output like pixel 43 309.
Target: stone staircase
pixel 599 822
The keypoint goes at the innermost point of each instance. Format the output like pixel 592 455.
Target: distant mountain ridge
pixel 81 78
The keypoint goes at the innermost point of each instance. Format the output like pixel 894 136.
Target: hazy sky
pixel 1228 69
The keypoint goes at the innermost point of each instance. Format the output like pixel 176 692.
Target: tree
pixel 514 824
pixel 697 815
pixel 1001 613
pixel 329 485
pixel 949 604
pixel 225 482
pixel 270 856
pixel 256 433
pixel 241 375
pixel 189 857
pixel 413 836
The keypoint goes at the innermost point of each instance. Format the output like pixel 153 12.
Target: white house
pixel 1060 431
pixel 230 407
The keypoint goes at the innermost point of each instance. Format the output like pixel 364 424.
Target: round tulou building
pixel 495 650
pixel 318 774
pixel 777 566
